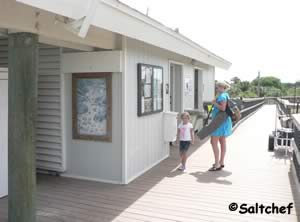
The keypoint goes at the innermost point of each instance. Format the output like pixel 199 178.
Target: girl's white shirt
pixel 185 131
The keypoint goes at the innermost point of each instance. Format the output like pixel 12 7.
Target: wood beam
pixel 65 44
pixel 48 25
pixel 22 104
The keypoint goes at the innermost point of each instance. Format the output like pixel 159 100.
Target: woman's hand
pixel 222 106
pixel 214 101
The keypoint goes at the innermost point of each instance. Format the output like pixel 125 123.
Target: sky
pixel 254 35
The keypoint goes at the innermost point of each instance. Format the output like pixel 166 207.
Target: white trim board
pixel 104 61
pixel 175 62
pixel 3 138
pixel 65 44
pixel 89 178
pixel 63 116
pixel 124 112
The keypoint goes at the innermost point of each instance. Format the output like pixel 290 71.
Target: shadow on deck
pixel 251 175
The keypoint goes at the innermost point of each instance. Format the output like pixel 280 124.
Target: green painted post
pixel 22 105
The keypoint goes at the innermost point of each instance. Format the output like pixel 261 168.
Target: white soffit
pixel 117 17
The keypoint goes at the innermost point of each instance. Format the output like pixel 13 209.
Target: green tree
pixel 245 86
pixel 234 91
pixel 268 81
pixel 235 80
pixel 268 86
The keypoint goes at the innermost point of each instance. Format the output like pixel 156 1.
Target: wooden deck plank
pixel 251 175
pixel 87 211
pixel 187 206
pixel 147 210
pixel 118 195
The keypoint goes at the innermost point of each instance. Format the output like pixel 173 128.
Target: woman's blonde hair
pixel 223 84
pixel 185 114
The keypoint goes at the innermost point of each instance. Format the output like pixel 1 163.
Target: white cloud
pixel 253 34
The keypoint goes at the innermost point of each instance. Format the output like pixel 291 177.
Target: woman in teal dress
pixel 224 130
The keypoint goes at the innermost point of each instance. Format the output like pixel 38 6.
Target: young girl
pixel 185 135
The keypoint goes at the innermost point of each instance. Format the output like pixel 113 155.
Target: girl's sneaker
pixel 181 168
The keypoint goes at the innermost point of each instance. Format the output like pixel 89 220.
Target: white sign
pixel 188 87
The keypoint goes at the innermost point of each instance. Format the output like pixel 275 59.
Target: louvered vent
pixel 4 52
pixel 49 152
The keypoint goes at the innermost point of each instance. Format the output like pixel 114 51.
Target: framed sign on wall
pixel 150 89
pixel 92 106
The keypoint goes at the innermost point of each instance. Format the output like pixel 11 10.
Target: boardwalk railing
pixel 292 106
pixel 287 105
pixel 292 99
pixel 249 105
pixel 296 144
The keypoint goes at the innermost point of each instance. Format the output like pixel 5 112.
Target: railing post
pixel 22 97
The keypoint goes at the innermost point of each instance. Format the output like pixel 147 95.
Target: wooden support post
pixel 22 93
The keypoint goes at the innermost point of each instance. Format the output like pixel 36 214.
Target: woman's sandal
pixel 213 168
pixel 222 165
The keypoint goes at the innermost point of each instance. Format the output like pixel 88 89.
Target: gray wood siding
pixel 95 160
pixel 49 153
pixel 145 134
pixel 145 144
pixel 88 159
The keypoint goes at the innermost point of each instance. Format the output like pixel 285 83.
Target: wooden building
pixel 94 81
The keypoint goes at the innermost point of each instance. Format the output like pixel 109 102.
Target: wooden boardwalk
pixel 251 175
